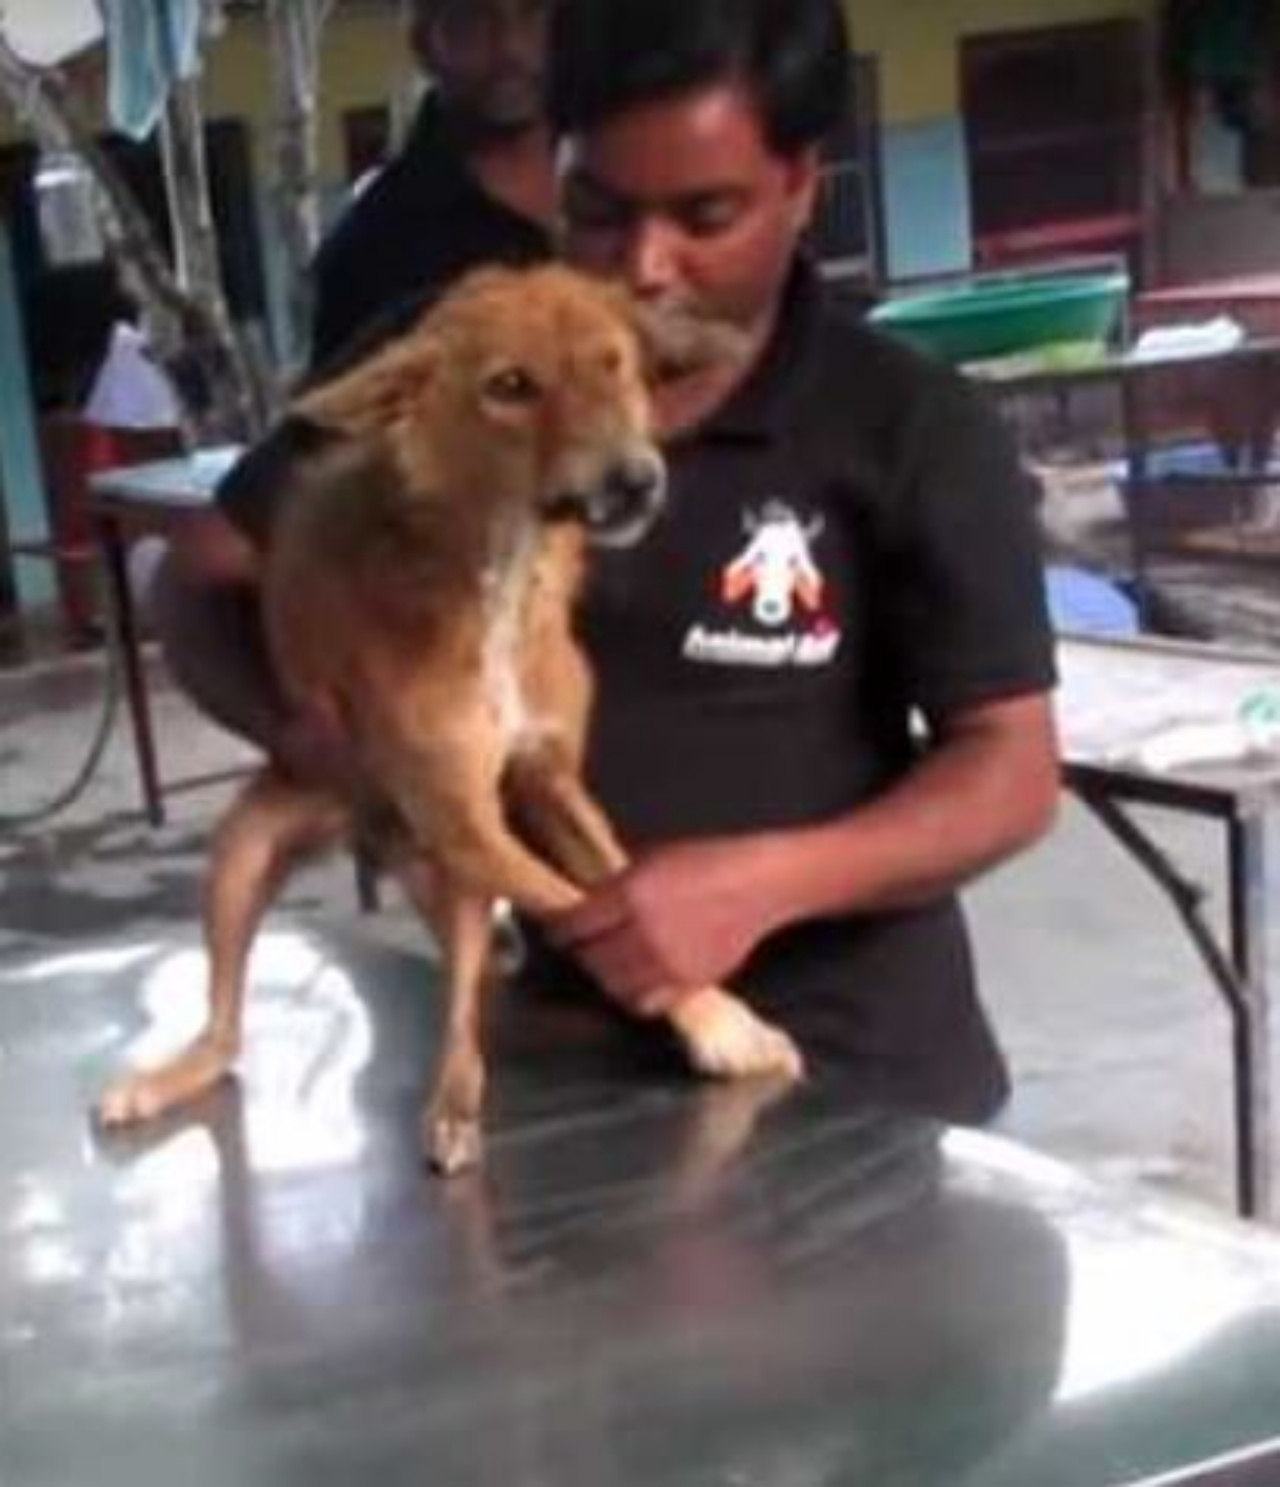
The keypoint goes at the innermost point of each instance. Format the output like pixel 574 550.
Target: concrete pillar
pixel 21 476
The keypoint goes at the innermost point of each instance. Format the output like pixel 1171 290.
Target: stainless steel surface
pixel 652 1282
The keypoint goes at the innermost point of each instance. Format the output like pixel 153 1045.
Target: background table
pixel 1230 397
pixel 1113 694
pixel 152 499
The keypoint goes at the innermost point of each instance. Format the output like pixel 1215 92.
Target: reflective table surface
pixel 652 1281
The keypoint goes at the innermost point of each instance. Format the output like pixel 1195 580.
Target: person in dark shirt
pixel 473 182
pixel 823 681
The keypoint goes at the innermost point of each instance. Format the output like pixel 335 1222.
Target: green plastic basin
pixel 979 321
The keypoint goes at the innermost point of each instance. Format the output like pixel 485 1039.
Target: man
pixel 473 182
pixel 848 546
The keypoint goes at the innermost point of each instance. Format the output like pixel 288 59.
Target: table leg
pixel 1238 973
pixel 124 618
pixel 1134 424
pixel 1251 1041
pixel 366 868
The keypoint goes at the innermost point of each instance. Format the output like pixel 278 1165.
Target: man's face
pixel 684 201
pixel 488 57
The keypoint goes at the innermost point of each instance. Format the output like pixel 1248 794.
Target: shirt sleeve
pixel 249 494
pixel 965 583
pixel 331 317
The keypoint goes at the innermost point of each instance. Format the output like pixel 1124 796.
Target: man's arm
pixel 206 611
pixel 208 548
pixel 986 790
pixel 691 913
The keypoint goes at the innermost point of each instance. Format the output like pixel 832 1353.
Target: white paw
pixel 129 1101
pixel 144 1094
pixel 736 1044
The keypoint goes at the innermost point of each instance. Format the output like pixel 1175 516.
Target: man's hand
pixel 680 917
pixel 689 914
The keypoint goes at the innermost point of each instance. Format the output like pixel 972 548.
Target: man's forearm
pixel 986 791
pixel 211 633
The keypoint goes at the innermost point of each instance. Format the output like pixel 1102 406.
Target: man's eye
pixel 512 385
pixel 707 218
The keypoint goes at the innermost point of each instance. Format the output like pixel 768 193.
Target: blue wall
pixel 21 478
pixel 926 198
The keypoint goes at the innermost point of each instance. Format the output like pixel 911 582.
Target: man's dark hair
pixel 791 55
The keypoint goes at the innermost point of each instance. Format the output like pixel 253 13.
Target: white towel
pixel 1204 338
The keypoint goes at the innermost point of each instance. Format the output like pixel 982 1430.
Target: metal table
pixel 1138 675
pixel 653 1282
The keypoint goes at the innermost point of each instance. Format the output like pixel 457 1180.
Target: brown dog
pixel 420 586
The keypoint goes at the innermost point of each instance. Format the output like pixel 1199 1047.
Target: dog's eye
pixel 512 385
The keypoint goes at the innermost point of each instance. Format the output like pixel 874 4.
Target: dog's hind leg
pixel 270 827
pixel 721 1035
pixel 462 921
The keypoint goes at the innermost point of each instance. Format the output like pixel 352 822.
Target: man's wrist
pixel 778 869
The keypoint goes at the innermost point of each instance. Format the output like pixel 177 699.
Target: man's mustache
pixel 681 337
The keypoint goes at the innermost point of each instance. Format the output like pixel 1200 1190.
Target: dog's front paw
pixel 144 1094
pixel 129 1101
pixel 725 1039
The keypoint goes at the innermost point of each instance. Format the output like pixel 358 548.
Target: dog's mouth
pixel 622 508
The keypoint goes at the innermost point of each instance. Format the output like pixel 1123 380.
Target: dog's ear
pixel 676 342
pixel 374 394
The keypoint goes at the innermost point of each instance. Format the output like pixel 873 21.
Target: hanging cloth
pixel 151 44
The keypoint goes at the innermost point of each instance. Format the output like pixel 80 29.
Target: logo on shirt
pixel 775 590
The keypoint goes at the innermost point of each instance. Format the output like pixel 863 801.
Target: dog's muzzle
pixel 627 502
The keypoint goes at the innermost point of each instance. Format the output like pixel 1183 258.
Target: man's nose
pixel 651 259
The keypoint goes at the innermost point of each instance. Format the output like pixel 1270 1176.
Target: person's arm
pixel 207 610
pixel 209 548
pixel 690 913
pixel 985 791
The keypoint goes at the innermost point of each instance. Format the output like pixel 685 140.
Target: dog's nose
pixel 638 481
pixel 628 500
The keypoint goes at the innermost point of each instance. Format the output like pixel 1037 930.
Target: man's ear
pixel 373 395
pixel 804 181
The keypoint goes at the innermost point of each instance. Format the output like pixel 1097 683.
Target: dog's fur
pixel 420 586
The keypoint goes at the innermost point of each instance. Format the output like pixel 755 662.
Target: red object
pixel 72 450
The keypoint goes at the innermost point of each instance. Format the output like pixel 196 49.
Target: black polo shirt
pixel 847 541
pixel 422 223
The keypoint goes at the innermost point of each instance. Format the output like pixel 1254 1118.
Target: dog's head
pixel 520 388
